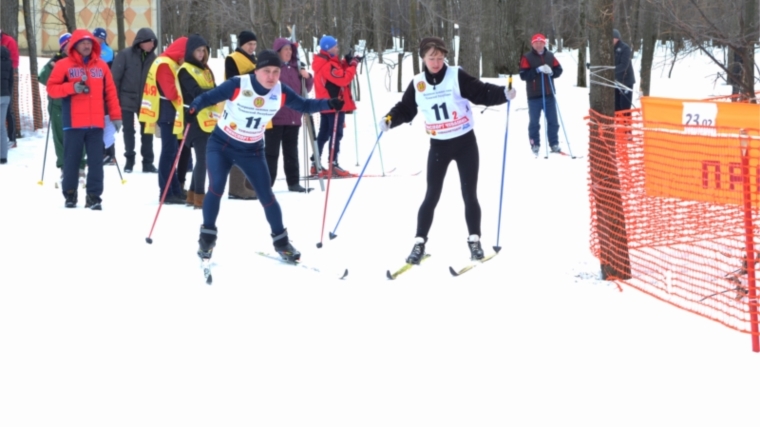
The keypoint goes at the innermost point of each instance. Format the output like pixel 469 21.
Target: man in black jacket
pixel 130 69
pixel 623 73
pixel 538 69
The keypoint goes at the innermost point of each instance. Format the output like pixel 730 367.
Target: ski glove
pixel 510 93
pixel 349 56
pixel 117 124
pixel 80 87
pixel 546 69
pixel 335 104
pixel 385 123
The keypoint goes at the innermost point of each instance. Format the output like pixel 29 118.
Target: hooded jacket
pixel 188 84
pixel 623 67
pixel 10 43
pixel 130 69
pixel 6 72
pixel 333 79
pixel 167 80
pixel 84 110
pixel 290 77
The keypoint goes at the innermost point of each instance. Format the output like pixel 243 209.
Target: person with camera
pixel 84 82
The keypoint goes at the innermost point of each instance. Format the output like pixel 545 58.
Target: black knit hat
pixel 245 37
pixel 268 58
pixel 433 42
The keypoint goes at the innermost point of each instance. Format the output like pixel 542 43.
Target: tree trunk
pixel 605 181
pixel 469 36
pixel 582 9
pixel 31 41
pixel 635 30
pixel 749 28
pixel 120 35
pixel 649 41
pixel 9 18
pixel 68 10
pixel 414 36
pixel 379 19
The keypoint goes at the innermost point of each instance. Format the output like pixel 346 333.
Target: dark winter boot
pixel 418 251
pixel 206 242
pixel 93 202
pixel 284 248
pixel 555 149
pixel 476 251
pixel 71 198
pixel 129 165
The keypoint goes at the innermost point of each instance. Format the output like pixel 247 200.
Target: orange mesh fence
pixel 674 200
pixel 26 114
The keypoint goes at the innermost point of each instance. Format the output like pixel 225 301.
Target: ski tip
pixel 496 249
pixel 319 245
pixel 388 274
pixel 148 240
pixel 453 272
pixel 345 273
pixel 39 182
pixel 332 236
pixel 123 181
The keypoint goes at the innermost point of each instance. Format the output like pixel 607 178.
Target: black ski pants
pixel 287 136
pixel 464 151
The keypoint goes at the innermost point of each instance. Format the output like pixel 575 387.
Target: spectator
pixel 287 122
pixel 241 61
pixel 623 73
pixel 130 70
pixel 538 69
pixel 10 44
pixel 109 133
pixel 333 80
pixel 162 105
pixel 6 83
pixel 85 84
pixel 196 78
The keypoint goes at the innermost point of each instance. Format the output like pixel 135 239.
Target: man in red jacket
pixel 332 77
pixel 83 81
pixel 10 44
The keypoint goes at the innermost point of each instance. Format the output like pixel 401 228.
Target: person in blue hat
pixel 109 132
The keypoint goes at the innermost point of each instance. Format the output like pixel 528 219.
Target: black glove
pixel 336 104
pixel 350 55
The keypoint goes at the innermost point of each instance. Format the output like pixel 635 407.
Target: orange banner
pixel 692 149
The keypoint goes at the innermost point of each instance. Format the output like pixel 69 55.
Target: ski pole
pixel 309 123
pixel 118 169
pixel 561 122
pixel 44 158
pixel 332 234
pixel 354 84
pixel 329 176
pixel 148 239
pixel 372 103
pixel 546 121
pixel 497 248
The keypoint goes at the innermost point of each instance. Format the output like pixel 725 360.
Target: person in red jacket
pixel 10 44
pixel 83 81
pixel 333 80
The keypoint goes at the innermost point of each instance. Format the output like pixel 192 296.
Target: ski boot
pixel 418 251
pixel 339 171
pixel 284 248
pixel 206 242
pixel 93 202
pixel 555 149
pixel 476 251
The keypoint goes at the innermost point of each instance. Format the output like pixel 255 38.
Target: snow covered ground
pixel 99 328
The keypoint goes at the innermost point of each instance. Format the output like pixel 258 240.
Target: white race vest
pixel 447 114
pixel 245 118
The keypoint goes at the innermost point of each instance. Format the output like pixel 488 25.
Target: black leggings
pixel 198 139
pixel 463 150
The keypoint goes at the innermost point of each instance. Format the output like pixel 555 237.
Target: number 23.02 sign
pixel 699 117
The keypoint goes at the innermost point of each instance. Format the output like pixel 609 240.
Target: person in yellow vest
pixel 241 61
pixel 162 105
pixel 195 78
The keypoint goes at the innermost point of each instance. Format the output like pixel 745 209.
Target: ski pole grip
pixel 510 82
